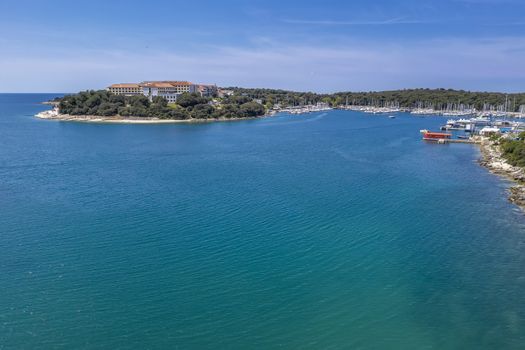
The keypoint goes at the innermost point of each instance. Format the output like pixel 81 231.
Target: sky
pixel 319 46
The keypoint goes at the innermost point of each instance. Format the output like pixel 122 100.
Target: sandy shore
pixel 493 160
pixel 54 115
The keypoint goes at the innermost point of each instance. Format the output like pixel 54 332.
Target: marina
pixel 422 112
pixel 484 126
pixel 456 130
pixel 469 130
pixel 508 108
pixel 303 109
pixel 387 108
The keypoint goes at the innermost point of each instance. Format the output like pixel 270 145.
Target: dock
pixel 442 141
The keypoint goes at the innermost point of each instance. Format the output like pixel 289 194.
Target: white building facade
pixel 208 90
pixel 126 89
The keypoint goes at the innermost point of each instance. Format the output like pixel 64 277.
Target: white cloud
pixel 482 64
pixel 389 21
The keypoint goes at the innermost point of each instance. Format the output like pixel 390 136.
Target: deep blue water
pixel 334 230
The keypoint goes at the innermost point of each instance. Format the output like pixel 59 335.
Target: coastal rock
pixel 517 195
pixel 492 159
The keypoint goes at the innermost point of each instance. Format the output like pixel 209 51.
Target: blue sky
pixel 322 46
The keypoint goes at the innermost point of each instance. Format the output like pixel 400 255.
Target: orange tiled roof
pixel 157 85
pixel 165 83
pixel 177 82
pixel 125 85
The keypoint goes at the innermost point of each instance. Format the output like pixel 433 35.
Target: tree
pixel 252 109
pixel 140 101
pixel 93 101
pixel 104 103
pixel 107 109
pixel 118 100
pixel 139 111
pixel 189 100
pixel 161 101
pixel 179 114
pixel 227 111
pixel 202 111
pixel 239 99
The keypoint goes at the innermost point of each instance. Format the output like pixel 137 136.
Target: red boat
pixel 429 135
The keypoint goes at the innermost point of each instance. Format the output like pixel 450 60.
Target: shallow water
pixel 333 230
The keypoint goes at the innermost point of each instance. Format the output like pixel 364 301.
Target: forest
pixel 188 106
pixel 407 98
pixel 514 150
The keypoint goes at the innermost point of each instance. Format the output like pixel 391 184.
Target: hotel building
pixel 170 90
pixel 126 89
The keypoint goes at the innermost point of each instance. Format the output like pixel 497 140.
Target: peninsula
pixel 182 101
pixel 154 102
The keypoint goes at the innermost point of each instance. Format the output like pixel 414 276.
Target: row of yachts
pixel 319 107
pixel 484 125
pixel 431 111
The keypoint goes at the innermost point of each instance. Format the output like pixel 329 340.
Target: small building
pixel 225 93
pixel 170 90
pixel 207 90
pixel 490 130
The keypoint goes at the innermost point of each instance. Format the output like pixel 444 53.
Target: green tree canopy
pixel 189 100
pixel 104 103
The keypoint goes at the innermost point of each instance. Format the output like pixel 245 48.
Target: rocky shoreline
pixel 492 159
pixel 53 114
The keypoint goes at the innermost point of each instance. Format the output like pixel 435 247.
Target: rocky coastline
pixel 493 160
pixel 54 114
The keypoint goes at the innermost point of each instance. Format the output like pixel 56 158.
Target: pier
pixel 473 128
pixel 443 141
pixel 442 138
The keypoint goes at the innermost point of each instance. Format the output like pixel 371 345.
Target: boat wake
pixel 295 120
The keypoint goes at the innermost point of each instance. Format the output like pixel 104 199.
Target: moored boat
pixel 435 136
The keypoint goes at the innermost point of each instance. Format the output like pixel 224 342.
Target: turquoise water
pixel 334 230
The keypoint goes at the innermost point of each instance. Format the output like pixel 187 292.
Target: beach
pixel 54 114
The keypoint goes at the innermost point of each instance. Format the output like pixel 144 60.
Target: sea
pixel 329 230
